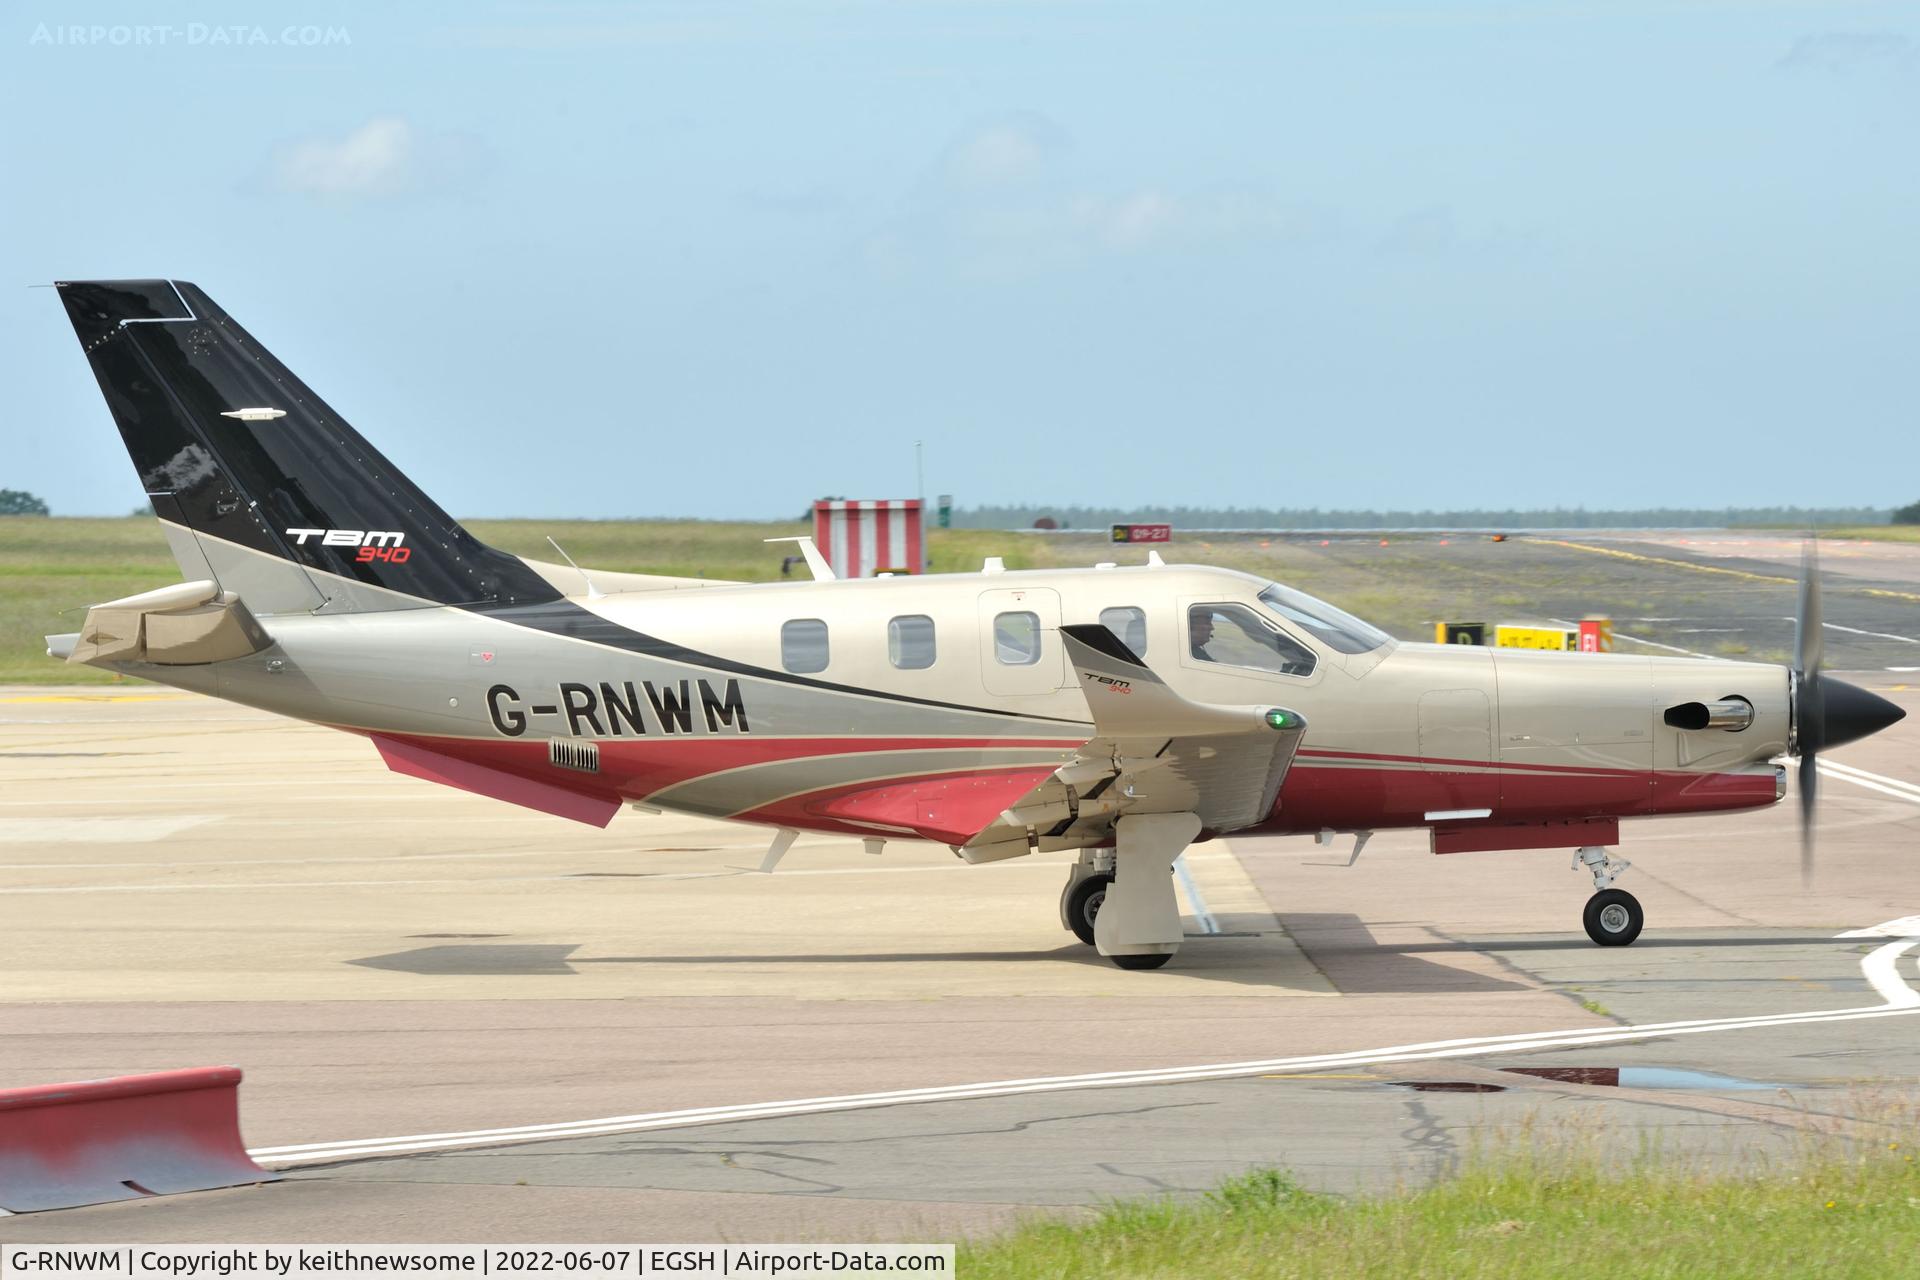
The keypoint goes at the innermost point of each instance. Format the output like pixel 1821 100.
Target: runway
pixel 460 1020
pixel 1884 564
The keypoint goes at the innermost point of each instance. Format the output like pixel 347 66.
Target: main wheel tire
pixel 1613 917
pixel 1083 904
pixel 1152 961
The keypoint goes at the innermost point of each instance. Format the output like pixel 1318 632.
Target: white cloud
pixel 1003 152
pixel 378 158
pixel 1841 52
pixel 1001 199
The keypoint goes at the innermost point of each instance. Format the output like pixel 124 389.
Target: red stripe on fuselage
pixel 1319 793
pixel 1327 796
pixel 950 807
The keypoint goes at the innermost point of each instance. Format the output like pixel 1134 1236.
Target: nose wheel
pixel 1613 917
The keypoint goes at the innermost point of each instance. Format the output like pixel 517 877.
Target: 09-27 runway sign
pixel 1143 533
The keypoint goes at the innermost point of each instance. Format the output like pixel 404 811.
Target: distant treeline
pixel 1023 517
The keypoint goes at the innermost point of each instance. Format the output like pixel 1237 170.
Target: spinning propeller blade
pixel 1826 712
pixel 1809 717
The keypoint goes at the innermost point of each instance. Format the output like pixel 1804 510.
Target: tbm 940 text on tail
pixel 1122 713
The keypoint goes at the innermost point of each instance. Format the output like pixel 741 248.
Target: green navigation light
pixel 1278 719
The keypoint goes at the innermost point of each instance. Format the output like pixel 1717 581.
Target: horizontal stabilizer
pixel 187 624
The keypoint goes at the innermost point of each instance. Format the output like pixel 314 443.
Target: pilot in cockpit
pixel 1200 633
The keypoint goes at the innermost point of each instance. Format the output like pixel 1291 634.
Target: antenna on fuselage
pixel 593 592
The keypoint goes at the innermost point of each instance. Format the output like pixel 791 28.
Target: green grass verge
pixel 1520 1216
pixel 1877 532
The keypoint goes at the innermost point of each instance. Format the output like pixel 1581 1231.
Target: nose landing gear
pixel 1613 917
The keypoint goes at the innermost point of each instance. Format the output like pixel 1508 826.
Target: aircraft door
pixel 1456 744
pixel 1020 648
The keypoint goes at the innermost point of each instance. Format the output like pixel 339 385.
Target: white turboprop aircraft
pixel 1118 713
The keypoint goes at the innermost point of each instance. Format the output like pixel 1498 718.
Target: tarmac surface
pixel 184 882
pixel 1888 563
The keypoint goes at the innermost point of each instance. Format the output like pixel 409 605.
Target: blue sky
pixel 717 259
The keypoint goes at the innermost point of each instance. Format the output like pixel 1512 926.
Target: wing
pixel 1153 751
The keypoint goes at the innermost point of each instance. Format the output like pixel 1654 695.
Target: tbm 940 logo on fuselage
pixel 626 708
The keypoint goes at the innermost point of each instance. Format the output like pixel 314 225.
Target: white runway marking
pixel 98 830
pixel 1872 781
pixel 1878 635
pixel 1880 968
pixel 1621 635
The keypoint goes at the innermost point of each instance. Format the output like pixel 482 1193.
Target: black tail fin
pixel 274 492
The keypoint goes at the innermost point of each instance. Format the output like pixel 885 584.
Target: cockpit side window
pixel 1337 629
pixel 1236 636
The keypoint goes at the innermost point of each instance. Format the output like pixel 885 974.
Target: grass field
pixel 1521 1215
pixel 1877 532
pixel 52 568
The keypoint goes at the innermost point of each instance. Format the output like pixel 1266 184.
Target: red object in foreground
pixel 63 1145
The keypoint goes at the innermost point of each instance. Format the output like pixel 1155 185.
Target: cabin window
pixel 803 645
pixel 1130 624
pixel 1235 636
pixel 910 642
pixel 1016 639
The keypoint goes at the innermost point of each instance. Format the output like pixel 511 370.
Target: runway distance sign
pixel 1143 533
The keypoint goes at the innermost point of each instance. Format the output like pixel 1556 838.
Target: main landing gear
pixel 1613 916
pixel 1121 900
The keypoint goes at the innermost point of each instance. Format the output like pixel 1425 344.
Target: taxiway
pixel 463 1021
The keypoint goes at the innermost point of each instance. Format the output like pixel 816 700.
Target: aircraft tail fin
pixel 260 485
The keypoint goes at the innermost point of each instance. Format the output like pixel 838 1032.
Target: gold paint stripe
pixel 1677 564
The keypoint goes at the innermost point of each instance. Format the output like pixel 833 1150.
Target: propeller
pixel 1809 699
pixel 1826 712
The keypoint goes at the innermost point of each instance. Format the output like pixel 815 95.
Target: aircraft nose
pixel 1852 712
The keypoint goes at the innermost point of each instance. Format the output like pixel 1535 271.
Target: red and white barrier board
pixel 123 1138
pixel 861 539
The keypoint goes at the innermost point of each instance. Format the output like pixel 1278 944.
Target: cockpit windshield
pixel 1338 630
